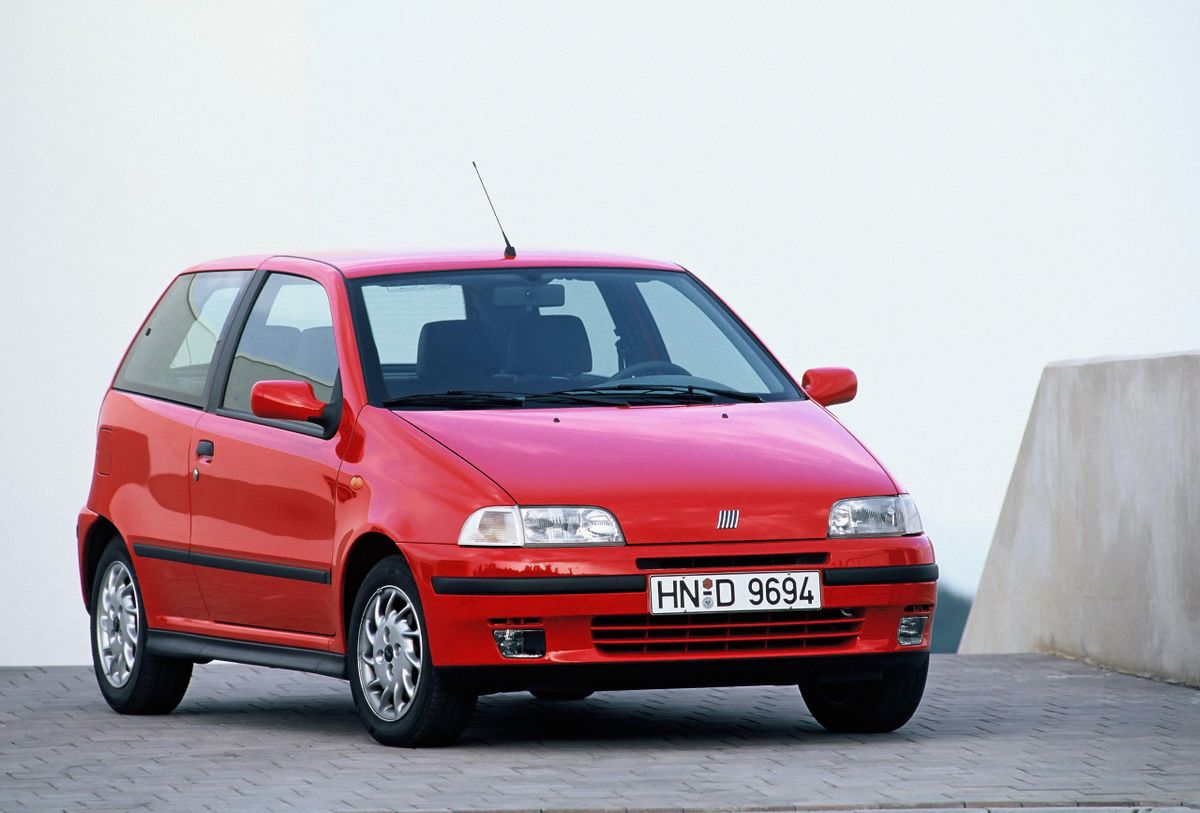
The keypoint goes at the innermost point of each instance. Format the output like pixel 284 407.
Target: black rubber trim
pixel 678 673
pixel 731 561
pixel 537 585
pixel 160 552
pixel 205 648
pixel 303 574
pixel 574 585
pixel 896 574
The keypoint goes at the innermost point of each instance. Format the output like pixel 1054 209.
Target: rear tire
pixel 400 696
pixel 561 695
pixel 132 680
pixel 868 706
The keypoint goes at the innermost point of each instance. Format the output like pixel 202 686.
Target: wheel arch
pixel 97 538
pixel 365 552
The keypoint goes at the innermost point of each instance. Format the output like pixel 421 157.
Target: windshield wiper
pixel 573 396
pixel 593 396
pixel 487 398
pixel 463 398
pixel 697 393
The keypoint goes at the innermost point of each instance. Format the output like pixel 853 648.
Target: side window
pixel 288 337
pixel 398 313
pixel 171 356
pixel 200 342
pixel 582 299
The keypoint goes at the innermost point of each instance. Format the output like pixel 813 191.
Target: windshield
pixel 526 337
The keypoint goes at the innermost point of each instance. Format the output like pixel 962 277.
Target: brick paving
pixel 993 732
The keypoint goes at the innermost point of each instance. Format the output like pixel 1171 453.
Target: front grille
pixel 726 632
pixel 738 560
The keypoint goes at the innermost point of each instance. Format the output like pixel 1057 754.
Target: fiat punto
pixel 439 476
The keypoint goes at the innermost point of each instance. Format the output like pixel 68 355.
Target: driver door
pixel 263 490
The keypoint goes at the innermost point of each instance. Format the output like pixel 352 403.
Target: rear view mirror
pixel 532 295
pixel 830 385
pixel 285 401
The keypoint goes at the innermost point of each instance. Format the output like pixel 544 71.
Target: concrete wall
pixel 1097 550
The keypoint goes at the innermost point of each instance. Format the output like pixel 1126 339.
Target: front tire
pixel 868 706
pixel 132 680
pixel 400 696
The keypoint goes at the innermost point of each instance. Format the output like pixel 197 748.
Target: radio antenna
pixel 510 253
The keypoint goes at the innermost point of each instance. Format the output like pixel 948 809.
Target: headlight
pixel 541 526
pixel 875 516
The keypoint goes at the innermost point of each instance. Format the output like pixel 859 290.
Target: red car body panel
pixel 293 500
pixel 783 464
pixel 147 489
pixel 460 627
pixel 265 496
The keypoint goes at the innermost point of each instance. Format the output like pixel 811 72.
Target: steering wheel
pixel 649 368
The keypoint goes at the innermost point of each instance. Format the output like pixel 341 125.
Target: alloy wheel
pixel 389 653
pixel 116 623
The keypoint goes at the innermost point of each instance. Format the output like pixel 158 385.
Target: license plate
pixel 735 592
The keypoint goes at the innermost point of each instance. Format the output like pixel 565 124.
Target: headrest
pixel 548 345
pixel 449 349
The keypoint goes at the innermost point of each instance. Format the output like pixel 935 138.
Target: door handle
pixel 204 448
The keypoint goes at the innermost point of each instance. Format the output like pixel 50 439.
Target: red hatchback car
pixel 445 476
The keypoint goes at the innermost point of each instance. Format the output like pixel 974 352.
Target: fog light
pixel 521 643
pixel 911 630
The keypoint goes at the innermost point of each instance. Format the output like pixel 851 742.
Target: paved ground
pixel 992 732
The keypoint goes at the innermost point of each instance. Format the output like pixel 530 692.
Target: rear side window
pixel 288 337
pixel 171 357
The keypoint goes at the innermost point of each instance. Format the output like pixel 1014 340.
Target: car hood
pixel 667 471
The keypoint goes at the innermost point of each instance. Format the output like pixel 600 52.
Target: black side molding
pixel 304 574
pixel 537 585
pixel 160 552
pixel 897 574
pixel 203 648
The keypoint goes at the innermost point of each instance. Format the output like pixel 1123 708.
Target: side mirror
pixel 285 401
pixel 830 385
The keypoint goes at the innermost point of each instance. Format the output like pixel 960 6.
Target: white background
pixel 943 197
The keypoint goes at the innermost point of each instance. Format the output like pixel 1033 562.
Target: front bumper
pixel 592 604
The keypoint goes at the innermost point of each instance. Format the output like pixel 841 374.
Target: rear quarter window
pixel 171 356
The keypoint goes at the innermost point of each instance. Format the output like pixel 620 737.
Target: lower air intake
pixel 726 632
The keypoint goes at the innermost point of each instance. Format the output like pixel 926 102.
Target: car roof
pixel 355 264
